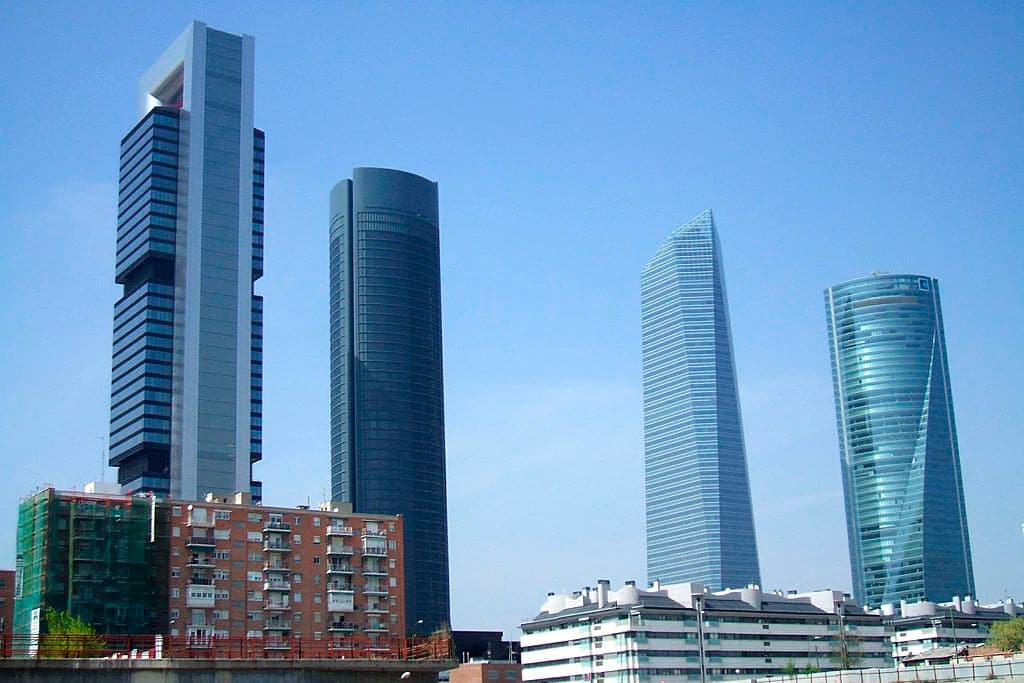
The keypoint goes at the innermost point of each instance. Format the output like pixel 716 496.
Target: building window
pixel 174 613
pixel 175 592
pixel 316 559
pixel 255 536
pixel 221 514
pixel 297 597
pixel 297 539
pixel 297 577
pixel 176 532
pixel 316 521
pixel 316 540
pixel 176 511
pixel 175 571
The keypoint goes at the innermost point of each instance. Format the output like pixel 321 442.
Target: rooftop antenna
pixel 103 457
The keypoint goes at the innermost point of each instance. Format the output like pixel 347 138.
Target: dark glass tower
pixel 387 398
pixel 186 394
pixel 905 511
pixel 700 524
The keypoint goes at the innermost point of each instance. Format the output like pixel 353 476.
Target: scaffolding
pixel 102 558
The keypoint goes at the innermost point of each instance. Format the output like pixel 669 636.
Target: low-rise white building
pixel 668 634
pixel 918 627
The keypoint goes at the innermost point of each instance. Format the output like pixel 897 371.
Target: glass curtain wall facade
pixel 700 523
pixel 186 393
pixel 905 511
pixel 387 399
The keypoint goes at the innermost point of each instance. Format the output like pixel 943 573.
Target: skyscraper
pixel 186 394
pixel 387 398
pixel 700 523
pixel 905 510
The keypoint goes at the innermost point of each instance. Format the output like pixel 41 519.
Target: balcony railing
pixel 204 541
pixel 200 561
pixel 200 580
pixel 276 605
pixel 339 568
pixel 340 531
pixel 276 567
pixel 277 527
pixel 343 587
pixel 342 626
pixel 277 546
pixel 340 550
pixel 277 586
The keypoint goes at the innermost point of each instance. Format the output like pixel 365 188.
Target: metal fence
pixel 48 646
pixel 972 670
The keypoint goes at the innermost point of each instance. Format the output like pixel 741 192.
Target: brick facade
pixel 238 570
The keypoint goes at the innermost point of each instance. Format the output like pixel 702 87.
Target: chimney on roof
pixel 602 592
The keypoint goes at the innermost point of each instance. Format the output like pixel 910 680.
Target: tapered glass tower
pixel 186 395
pixel 387 398
pixel 700 524
pixel 905 511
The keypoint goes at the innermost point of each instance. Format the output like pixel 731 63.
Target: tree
pixel 68 636
pixel 789 669
pixel 1008 636
pixel 810 669
pixel 844 652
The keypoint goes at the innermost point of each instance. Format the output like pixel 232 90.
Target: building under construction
pixel 101 557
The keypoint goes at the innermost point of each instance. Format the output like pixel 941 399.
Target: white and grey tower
pixel 186 395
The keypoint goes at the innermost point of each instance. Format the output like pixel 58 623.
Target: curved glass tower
pixel 905 510
pixel 700 524
pixel 387 400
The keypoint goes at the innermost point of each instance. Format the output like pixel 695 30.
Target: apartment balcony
pixel 375 550
pixel 281 567
pixel 339 568
pixel 376 609
pixel 197 580
pixel 376 628
pixel 276 546
pixel 342 627
pixel 200 542
pixel 275 643
pixel 277 626
pixel 276 606
pixel 375 589
pixel 200 562
pixel 337 549
pixel 339 531
pixel 374 534
pixel 373 570
pixel 200 523
pixel 284 586
pixel 336 587
pixel 277 527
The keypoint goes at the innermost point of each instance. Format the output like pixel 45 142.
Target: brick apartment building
pixel 6 601
pixel 238 569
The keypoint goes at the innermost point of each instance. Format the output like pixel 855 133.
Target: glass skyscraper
pixel 186 394
pixel 905 511
pixel 387 398
pixel 700 523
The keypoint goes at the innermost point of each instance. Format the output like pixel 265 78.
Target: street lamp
pixel 697 600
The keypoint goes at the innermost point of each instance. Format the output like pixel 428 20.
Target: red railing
pixel 49 646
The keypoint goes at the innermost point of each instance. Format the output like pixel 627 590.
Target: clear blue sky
pixel 568 139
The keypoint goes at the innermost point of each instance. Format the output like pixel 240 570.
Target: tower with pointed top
pixel 700 522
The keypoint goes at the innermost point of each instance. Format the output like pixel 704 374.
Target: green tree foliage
pixel 1008 636
pixel 844 652
pixel 790 669
pixel 68 636
pixel 810 669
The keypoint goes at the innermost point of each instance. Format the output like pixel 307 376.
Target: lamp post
pixel 817 661
pixel 843 654
pixel 698 601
